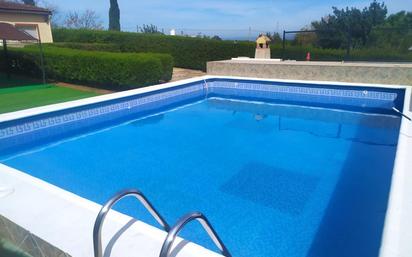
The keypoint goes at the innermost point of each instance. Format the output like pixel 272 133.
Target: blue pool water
pixel 273 179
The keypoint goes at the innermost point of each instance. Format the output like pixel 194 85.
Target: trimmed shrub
pixel 105 69
pixel 193 53
pixel 190 53
pixel 102 47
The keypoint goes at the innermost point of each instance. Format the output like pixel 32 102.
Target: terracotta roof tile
pixel 9 32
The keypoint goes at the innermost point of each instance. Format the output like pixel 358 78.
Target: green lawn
pixel 23 97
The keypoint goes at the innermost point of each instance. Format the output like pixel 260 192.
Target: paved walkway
pixel 84 88
pixel 179 74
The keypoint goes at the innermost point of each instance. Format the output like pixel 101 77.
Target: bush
pixel 191 53
pixel 103 47
pixel 299 53
pixel 97 68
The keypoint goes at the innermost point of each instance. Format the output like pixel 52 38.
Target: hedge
pixel 187 52
pixel 292 52
pixel 193 53
pixel 105 69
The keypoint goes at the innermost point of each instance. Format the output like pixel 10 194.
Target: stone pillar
pixel 262 47
pixel 262 53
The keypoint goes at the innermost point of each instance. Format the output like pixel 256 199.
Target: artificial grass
pixel 14 81
pixel 23 97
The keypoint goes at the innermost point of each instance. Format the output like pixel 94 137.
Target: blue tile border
pixel 49 126
pixel 304 90
pixel 364 97
pixel 80 115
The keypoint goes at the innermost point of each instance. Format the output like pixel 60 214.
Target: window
pixel 29 29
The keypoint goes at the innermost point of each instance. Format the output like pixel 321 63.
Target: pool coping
pixel 397 233
pixel 396 227
pixel 96 99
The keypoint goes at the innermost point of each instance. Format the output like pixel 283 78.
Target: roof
pixel 22 8
pixel 9 32
pixel 262 39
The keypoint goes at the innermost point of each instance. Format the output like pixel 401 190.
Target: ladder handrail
pixel 97 229
pixel 171 236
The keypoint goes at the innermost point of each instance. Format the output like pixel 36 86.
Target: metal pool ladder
pixel 98 224
pixel 171 236
pixel 172 232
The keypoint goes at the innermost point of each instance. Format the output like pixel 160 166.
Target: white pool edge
pixel 397 233
pixel 75 217
pixel 96 99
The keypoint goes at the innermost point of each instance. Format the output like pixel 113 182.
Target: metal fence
pixel 380 44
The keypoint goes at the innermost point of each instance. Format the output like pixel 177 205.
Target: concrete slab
pixel 355 72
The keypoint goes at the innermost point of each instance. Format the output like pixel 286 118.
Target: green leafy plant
pixel 191 53
pixel 106 69
pixel 194 53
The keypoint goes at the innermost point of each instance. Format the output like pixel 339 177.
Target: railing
pixel 171 236
pixel 97 230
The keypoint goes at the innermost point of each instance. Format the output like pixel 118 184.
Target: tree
pixel 216 37
pixel 86 20
pixel 306 38
pixel 395 32
pixel 54 9
pixel 114 16
pixel 349 27
pixel 150 29
pixel 376 13
pixel 275 37
pixel 29 2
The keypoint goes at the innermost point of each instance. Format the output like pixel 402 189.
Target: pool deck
pixel 397 234
pixel 180 73
pixel 66 220
pixel 362 72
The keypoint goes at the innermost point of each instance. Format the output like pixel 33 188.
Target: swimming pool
pixel 280 169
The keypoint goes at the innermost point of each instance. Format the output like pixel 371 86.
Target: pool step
pixel 172 232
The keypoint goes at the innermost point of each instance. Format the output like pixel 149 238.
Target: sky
pixel 226 18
